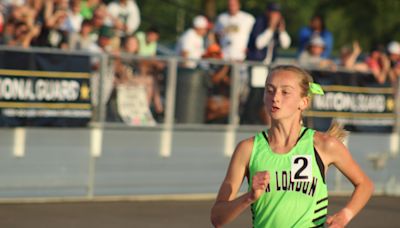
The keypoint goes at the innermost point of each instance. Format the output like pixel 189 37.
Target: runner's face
pixel 282 95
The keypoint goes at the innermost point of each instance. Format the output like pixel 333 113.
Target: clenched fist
pixel 260 182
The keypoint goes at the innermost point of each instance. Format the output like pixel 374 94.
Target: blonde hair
pixel 335 130
pixel 305 77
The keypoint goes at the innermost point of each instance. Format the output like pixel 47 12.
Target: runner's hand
pixel 339 219
pixel 259 184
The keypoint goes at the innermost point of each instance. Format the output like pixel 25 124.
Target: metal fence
pixel 183 153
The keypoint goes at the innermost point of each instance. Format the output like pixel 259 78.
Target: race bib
pixel 301 168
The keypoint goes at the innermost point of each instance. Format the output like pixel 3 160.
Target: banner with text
pixel 355 100
pixel 44 89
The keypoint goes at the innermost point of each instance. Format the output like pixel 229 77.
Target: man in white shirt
pixel 233 29
pixel 191 44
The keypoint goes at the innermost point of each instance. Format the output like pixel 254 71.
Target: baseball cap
pixel 106 31
pixel 317 41
pixel 200 22
pixel 213 50
pixel 394 47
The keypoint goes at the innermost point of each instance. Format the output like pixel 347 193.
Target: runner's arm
pixel 227 207
pixel 337 154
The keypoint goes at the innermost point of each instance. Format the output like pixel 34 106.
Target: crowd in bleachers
pixel 112 27
pixel 70 24
pixel 100 25
pixel 243 37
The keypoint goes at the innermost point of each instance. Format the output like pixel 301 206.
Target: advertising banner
pixel 355 100
pixel 44 89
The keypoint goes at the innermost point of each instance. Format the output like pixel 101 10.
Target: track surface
pixel 380 212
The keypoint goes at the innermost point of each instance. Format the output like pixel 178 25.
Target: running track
pixel 380 212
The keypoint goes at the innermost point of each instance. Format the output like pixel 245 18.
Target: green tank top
pixel 297 194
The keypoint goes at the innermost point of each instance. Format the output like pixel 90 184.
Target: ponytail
pixel 336 130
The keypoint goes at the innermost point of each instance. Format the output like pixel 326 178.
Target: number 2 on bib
pixel 301 168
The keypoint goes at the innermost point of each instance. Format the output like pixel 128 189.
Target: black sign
pixel 44 89
pixel 353 99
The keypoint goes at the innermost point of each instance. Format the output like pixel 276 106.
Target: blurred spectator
pixel 23 35
pixel 213 52
pixel 1 22
pixel 131 45
pixel 233 29
pixel 269 32
pixel 148 47
pixel 152 88
pixel 82 40
pixel 74 17
pixel 394 75
pixel 148 42
pixel 141 84
pixel 8 31
pixel 21 27
pixel 317 27
pixel 348 58
pixel 379 64
pixel 104 43
pixel 191 44
pixel 312 56
pixel 393 50
pixel 22 13
pixel 98 20
pixel 124 71
pixel 125 16
pixel 125 67
pixel 124 74
pixel 37 6
pixel 218 103
pixel 53 11
pixel 52 33
pixel 210 37
pixel 88 7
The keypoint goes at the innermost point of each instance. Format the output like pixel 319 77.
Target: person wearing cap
pixel 191 43
pixel 213 51
pixel 233 29
pixel 393 50
pixel 312 56
pixel 317 27
pixel 268 33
